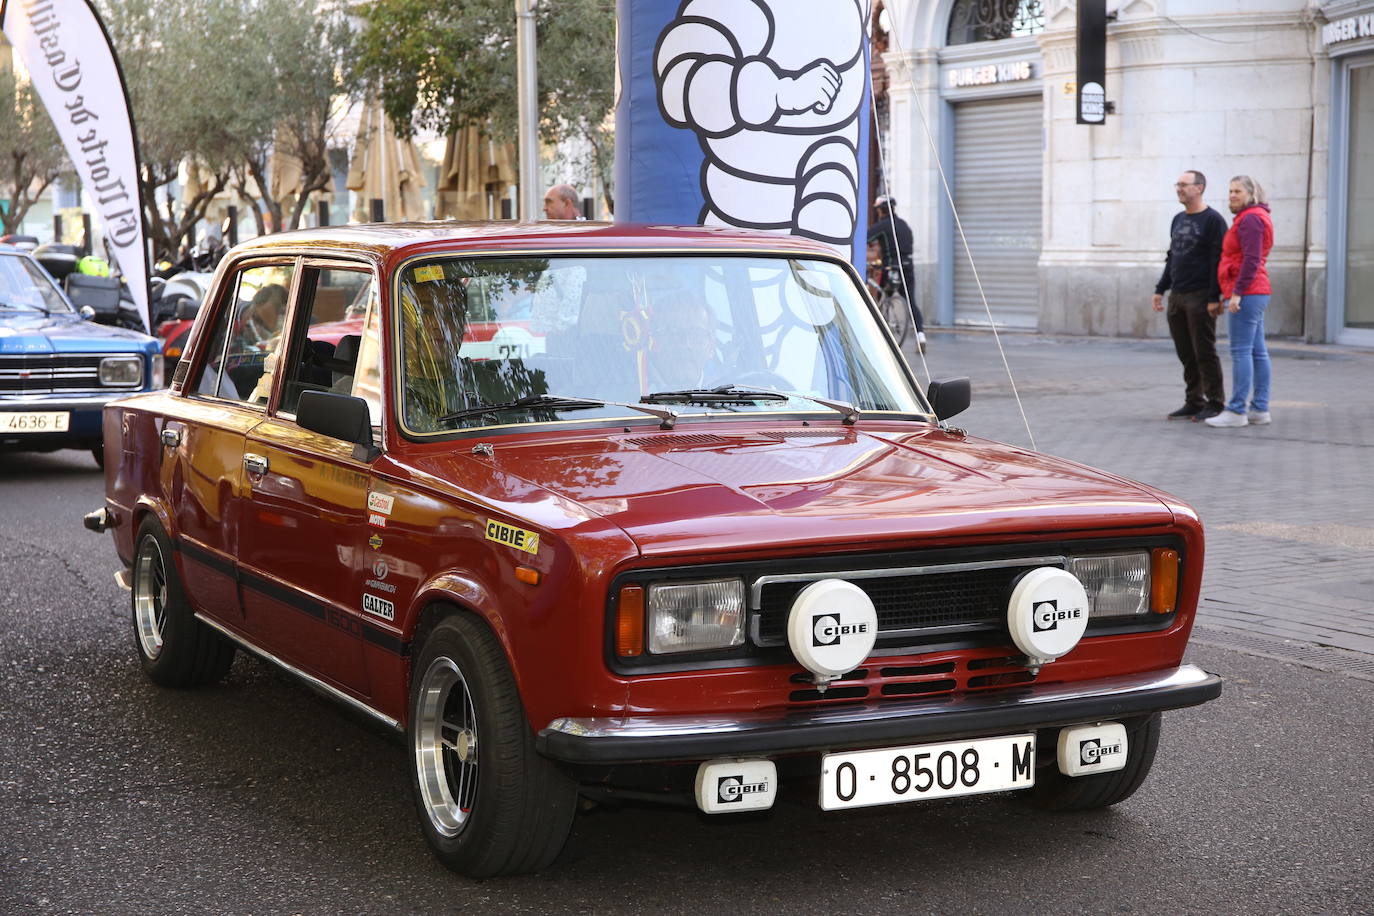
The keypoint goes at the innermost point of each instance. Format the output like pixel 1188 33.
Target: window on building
pixel 991 20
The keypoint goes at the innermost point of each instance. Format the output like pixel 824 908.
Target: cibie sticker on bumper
pixel 511 536
pixel 379 607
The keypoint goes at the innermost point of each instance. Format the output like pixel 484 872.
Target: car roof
pixel 390 241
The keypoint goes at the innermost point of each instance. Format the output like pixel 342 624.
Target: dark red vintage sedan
pixel 629 512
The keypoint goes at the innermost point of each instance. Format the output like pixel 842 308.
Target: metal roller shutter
pixel 997 176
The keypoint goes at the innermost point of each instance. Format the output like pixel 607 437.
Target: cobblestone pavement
pixel 1288 508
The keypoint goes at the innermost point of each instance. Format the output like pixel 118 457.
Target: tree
pixel 31 154
pixel 305 56
pixel 443 66
pixel 199 95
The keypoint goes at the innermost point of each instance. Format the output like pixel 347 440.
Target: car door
pixel 304 544
pixel 203 440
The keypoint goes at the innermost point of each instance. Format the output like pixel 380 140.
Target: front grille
pixel 54 373
pixel 915 606
pixel 915 682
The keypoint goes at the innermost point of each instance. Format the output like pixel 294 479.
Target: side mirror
pixel 339 416
pixel 949 397
pixel 86 312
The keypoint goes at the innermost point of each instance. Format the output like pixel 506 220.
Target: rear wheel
pixel 1054 791
pixel 488 803
pixel 897 313
pixel 175 649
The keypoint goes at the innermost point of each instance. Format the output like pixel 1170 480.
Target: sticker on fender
pixel 892 775
pixel 511 536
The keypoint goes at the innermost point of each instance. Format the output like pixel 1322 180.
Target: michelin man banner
pixel 66 51
pixel 745 113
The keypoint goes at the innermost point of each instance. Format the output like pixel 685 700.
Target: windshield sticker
pixel 429 274
pixel 511 536
pixel 380 502
pixel 379 607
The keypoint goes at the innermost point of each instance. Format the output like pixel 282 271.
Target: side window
pixel 246 339
pixel 338 349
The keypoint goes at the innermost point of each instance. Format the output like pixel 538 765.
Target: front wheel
pixel 488 803
pixel 1054 791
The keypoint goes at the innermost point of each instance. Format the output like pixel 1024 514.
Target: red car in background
pixel 626 512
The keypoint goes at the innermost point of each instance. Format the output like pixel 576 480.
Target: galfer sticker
pixel 378 520
pixel 429 274
pixel 380 502
pixel 379 607
pixel 511 536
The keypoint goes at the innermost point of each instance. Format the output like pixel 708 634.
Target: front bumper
pixel 642 739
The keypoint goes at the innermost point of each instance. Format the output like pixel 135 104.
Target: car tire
pixel 175 649
pixel 1054 791
pixel 488 803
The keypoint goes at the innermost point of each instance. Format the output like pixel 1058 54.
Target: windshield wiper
pixel 721 394
pixel 557 402
pixel 737 393
pixel 24 308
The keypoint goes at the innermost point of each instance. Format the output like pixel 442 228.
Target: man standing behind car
pixel 1190 279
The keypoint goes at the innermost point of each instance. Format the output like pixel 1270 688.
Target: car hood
pixel 34 332
pixel 685 492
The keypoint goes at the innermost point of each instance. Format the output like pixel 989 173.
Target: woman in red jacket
pixel 1245 290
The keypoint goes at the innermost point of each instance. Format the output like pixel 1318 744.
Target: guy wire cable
pixel 958 223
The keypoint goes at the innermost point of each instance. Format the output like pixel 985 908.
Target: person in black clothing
pixel 1190 279
pixel 892 233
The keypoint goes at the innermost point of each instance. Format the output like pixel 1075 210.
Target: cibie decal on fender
pixel 379 607
pixel 511 536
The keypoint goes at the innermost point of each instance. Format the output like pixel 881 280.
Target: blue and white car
pixel 58 369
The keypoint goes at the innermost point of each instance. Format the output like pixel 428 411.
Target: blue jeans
pixel 1249 356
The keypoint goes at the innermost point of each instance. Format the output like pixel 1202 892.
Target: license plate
pixel 49 422
pixel 890 775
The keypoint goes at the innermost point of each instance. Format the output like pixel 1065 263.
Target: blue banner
pixel 745 113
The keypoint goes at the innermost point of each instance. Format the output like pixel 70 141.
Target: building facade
pixel 1068 223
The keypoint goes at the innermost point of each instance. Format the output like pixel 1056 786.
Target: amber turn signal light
pixel 1163 580
pixel 527 575
pixel 629 621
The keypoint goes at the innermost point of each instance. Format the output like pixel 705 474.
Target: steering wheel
pixel 759 378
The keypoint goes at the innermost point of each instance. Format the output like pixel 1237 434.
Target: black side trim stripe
pixel 293 599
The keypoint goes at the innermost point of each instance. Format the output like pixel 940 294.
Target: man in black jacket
pixel 892 233
pixel 1190 279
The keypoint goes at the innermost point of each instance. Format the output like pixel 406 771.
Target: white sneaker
pixel 921 341
pixel 1258 418
pixel 1227 419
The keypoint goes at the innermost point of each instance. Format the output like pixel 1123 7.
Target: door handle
pixel 256 464
pixel 171 437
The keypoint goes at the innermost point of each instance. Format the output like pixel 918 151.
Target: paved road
pixel 256 797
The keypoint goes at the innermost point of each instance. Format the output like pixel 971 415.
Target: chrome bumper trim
pixel 310 680
pixel 648 738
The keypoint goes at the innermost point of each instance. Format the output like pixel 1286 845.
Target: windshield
pixel 666 330
pixel 25 287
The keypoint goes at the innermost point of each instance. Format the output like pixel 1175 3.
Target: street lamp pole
pixel 527 88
